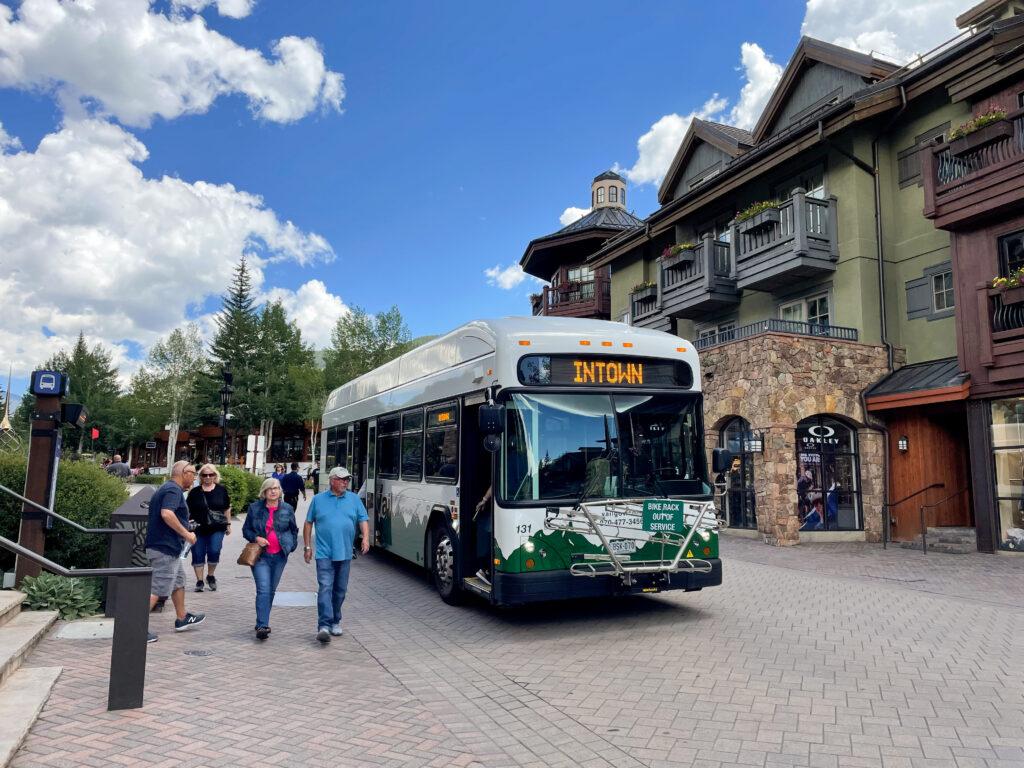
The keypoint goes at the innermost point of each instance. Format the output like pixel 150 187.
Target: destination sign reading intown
pixel 603 370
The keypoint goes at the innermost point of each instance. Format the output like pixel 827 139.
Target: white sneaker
pixel 483 577
pixel 336 630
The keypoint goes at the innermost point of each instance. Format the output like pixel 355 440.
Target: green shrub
pixel 85 494
pixel 74 598
pixel 242 487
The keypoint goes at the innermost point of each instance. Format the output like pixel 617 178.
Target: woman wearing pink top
pixel 270 522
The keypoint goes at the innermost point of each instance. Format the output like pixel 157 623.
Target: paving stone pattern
pixel 818 655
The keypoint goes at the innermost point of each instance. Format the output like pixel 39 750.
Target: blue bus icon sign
pixel 49 384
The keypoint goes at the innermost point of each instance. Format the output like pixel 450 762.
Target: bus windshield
pixel 614 446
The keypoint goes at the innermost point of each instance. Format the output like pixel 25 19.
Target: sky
pixel 358 154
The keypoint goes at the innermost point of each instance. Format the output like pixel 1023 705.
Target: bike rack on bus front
pixel 585 521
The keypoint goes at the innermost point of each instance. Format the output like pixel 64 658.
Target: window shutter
pixel 919 298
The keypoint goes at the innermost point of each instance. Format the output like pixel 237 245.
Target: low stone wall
pixel 776 380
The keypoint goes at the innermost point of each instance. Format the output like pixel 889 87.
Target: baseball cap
pixel 339 472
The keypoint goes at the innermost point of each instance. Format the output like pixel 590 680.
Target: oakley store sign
pixel 817 435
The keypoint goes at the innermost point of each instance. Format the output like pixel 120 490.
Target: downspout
pixel 870 421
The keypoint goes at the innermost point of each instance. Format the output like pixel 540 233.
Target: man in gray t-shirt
pixel 118 468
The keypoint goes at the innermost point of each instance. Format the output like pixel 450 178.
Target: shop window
pixel 827 476
pixel 942 291
pixel 1008 450
pixel 740 498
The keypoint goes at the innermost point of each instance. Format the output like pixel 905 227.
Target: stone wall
pixel 774 381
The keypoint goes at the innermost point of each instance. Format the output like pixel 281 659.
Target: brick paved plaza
pixel 821 655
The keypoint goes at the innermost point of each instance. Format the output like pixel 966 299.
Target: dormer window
pixel 613 194
pixel 600 195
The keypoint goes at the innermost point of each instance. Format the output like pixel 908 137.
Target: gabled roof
pixel 808 52
pixel 987 10
pixel 586 234
pixel 731 140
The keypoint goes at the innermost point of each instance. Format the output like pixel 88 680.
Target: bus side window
pixel 412 445
pixel 441 455
pixel 387 447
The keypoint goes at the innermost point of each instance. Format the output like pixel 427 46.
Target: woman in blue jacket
pixel 270 522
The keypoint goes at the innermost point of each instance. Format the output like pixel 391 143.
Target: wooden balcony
pixel 1001 349
pixel 966 184
pixel 796 241
pixel 589 299
pixel 698 281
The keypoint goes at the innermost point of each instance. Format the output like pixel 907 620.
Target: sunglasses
pixel 207 474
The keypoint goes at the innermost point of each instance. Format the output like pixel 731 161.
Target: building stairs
pixel 953 540
pixel 23 690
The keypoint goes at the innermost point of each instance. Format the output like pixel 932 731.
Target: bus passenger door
pixel 370 473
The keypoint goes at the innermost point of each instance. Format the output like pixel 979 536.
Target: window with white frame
pixel 813 310
pixel 600 195
pixel 613 194
pixel 942 291
pixel 622 196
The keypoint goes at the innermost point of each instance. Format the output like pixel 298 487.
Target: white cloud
pixel 313 308
pixel 761 75
pixel 87 242
pixel 571 214
pixel 658 146
pixel 123 58
pixel 508 277
pixel 895 29
pixel 8 143
pixel 235 9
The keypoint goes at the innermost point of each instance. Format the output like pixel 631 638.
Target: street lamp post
pixel 225 401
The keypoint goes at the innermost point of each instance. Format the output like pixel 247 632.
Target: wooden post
pixel 40 481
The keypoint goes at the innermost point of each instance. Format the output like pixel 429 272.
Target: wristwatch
pixel 307 549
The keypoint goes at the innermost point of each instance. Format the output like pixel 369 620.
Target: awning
pixel 937 381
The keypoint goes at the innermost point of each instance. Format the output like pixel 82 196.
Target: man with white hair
pixel 166 535
pixel 335 513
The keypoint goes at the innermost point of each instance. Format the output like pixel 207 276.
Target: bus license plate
pixel 622 546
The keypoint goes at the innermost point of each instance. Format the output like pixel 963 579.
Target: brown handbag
pixel 250 554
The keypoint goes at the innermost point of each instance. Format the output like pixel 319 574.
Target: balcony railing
pixel 775 325
pixel 699 282
pixel 800 244
pixel 587 298
pixel 1005 317
pixel 964 182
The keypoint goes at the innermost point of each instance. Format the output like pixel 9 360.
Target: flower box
pixel 1012 295
pixel 648 292
pixel 763 220
pixel 981 137
pixel 679 259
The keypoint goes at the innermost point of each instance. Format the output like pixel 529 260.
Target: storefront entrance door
pixel 740 500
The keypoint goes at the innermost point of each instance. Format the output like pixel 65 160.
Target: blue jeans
pixel 332 584
pixel 207 548
pixel 267 574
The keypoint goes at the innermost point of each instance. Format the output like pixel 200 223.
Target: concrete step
pixel 21 700
pixel 10 605
pixel 19 636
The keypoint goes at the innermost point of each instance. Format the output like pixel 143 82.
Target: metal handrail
pixel 131 623
pixel 51 513
pixel 924 529
pixel 887 510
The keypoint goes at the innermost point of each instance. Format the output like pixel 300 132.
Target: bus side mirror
pixel 492 419
pixel 721 460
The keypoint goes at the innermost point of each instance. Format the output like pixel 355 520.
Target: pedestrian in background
pixel 166 535
pixel 292 485
pixel 270 522
pixel 335 514
pixel 210 508
pixel 118 468
pixel 278 473
pixel 313 473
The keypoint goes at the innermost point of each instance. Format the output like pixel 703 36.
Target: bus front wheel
pixel 443 567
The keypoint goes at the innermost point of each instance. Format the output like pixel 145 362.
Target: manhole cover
pixel 199 653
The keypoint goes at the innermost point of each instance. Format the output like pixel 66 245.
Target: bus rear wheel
pixel 444 567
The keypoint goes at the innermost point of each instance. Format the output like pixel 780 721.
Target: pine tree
pixel 236 343
pixel 276 396
pixel 93 383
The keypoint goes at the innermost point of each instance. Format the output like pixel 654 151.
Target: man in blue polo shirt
pixel 335 513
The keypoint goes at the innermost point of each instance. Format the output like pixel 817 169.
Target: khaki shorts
pixel 168 573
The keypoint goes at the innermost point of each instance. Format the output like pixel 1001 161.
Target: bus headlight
pixel 704 534
pixel 529 546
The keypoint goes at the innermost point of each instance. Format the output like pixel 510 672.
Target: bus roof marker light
pixel 680 349
pixel 524 343
pixel 606 343
pixel 584 343
pixel 627 344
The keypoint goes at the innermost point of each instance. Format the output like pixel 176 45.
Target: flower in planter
pixel 672 250
pixel 1014 280
pixel 642 287
pixel 752 210
pixel 977 123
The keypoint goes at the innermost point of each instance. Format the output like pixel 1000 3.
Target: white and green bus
pixel 535 458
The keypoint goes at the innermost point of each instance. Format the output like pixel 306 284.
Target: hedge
pixel 243 487
pixel 149 479
pixel 85 494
